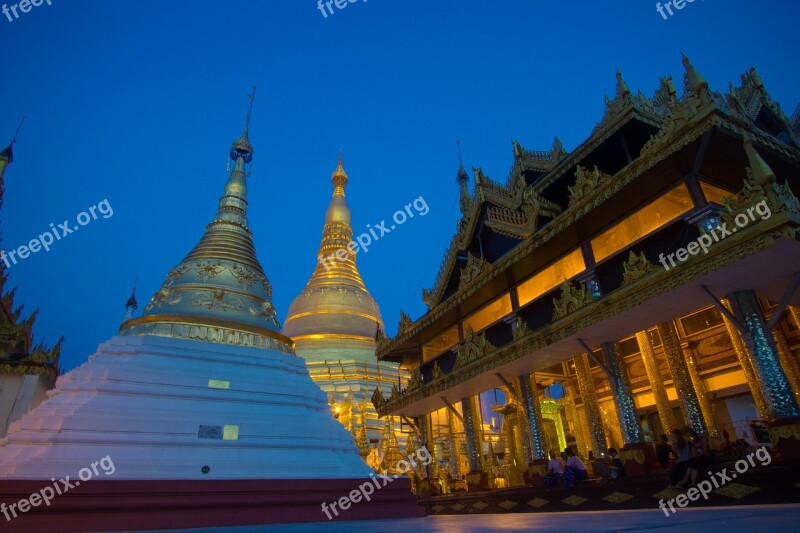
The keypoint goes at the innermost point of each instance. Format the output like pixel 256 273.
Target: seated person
pixel 574 470
pixel 700 462
pixel 555 469
pixel 616 464
pixel 663 450
pixel 683 451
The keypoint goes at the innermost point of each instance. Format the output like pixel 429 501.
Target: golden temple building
pixel 334 323
pixel 645 281
pixel 27 370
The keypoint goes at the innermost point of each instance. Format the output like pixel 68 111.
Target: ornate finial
pixel 8 152
pixel 462 176
pixel 242 147
pixel 622 87
pixel 760 171
pixel 339 177
pixel 694 80
pixel 132 305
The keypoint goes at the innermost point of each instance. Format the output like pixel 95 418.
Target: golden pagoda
pixel 334 323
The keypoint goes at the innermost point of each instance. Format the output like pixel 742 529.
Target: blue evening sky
pixel 138 102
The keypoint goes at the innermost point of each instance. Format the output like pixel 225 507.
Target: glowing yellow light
pixel 230 433
pixel 218 384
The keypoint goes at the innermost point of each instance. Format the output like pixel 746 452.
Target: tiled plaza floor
pixel 775 519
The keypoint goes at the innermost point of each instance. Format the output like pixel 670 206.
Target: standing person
pixel 683 452
pixel 663 449
pixel 574 470
pixel 555 469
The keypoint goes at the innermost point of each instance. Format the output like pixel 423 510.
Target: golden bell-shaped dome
pixel 335 304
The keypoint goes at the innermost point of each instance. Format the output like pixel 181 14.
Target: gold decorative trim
pixel 571 299
pixel 201 321
pixel 636 267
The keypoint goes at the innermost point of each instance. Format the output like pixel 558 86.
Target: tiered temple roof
pixel 552 201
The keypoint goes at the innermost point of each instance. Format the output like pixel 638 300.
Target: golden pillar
pixel 702 393
pixel 747 365
pixel 577 425
pixel 681 377
pixel 668 422
pixel 452 444
pixel 795 312
pixel 788 361
pixel 591 408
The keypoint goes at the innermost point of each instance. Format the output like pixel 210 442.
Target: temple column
pixel 706 408
pixel 591 408
pixel 788 361
pixel 681 377
pixel 531 424
pixel 668 422
pixel 778 393
pixel 532 411
pixel 453 448
pixel 746 362
pixel 577 425
pixel 782 406
pixel 473 431
pixel 621 392
pixel 636 454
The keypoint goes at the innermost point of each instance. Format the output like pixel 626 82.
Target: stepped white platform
pixel 242 432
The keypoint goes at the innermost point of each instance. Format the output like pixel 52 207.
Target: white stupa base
pixel 154 407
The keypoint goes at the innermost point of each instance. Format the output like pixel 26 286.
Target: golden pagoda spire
pixel 219 292
pixel 335 287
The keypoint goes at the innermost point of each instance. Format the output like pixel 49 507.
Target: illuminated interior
pixel 550 277
pixel 440 344
pixel 713 193
pixel 489 314
pixel 643 222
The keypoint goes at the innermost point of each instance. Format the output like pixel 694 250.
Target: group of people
pixel 568 471
pixel 686 452
pixel 693 455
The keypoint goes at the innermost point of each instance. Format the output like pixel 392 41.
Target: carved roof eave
pixel 680 139
pixel 623 299
pixel 591 144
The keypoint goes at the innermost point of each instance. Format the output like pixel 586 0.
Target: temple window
pixel 701 321
pixel 713 193
pixel 551 277
pixel 439 344
pixel 489 314
pixel 655 215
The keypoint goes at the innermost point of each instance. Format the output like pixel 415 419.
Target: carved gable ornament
pixel 473 348
pixel 572 298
